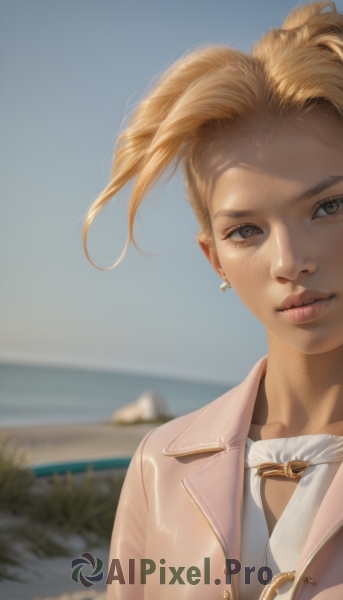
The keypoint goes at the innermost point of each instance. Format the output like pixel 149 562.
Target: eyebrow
pixel 316 189
pixel 319 187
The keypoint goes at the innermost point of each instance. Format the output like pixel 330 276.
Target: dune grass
pixel 42 518
pixel 15 481
pixel 86 507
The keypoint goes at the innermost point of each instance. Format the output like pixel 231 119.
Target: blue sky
pixel 70 70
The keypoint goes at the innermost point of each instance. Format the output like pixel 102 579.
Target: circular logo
pixel 87 559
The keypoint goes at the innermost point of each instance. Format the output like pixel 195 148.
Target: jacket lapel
pixel 216 487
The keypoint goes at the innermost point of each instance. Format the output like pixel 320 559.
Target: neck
pixel 301 394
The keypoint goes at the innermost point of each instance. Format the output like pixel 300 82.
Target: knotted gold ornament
pixel 291 469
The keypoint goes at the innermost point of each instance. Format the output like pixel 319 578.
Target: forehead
pixel 245 168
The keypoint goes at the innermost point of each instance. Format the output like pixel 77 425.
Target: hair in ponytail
pixel 290 70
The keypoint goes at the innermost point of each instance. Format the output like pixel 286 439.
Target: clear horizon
pixel 27 361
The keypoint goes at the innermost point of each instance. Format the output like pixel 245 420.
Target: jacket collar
pixel 223 423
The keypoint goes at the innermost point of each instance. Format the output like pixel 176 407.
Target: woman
pixel 219 502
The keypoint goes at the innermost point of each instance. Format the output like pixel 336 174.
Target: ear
pixel 209 249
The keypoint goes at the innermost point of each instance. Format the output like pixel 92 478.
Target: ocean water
pixel 40 395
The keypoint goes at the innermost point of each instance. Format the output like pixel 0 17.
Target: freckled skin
pixel 288 250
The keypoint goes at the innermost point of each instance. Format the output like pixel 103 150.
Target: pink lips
pixel 304 307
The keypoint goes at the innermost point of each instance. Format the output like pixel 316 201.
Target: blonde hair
pixel 290 70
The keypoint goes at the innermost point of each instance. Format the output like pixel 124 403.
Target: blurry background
pixel 70 71
pixel 76 342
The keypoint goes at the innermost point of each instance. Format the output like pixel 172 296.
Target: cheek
pixel 332 247
pixel 329 258
pixel 249 274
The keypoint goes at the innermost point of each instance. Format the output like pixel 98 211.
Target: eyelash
pixel 321 203
pixel 236 242
pixel 331 201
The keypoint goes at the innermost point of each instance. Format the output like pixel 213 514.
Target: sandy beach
pixel 57 443
pixel 50 579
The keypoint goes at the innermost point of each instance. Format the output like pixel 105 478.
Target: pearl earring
pixel 226 285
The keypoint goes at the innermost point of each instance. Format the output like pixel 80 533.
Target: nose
pixel 291 254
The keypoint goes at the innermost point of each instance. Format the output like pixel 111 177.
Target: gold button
pixel 309 580
pixel 225 595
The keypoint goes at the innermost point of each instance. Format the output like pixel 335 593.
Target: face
pixel 277 219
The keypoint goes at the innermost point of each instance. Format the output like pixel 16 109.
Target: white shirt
pixel 282 550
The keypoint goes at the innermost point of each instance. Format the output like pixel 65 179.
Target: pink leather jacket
pixel 180 508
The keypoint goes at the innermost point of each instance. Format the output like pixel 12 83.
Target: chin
pixel 315 342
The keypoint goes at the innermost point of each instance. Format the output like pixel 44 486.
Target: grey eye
pixel 247 231
pixel 331 207
pixel 244 232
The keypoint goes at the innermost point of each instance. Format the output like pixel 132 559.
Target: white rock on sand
pixel 147 408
